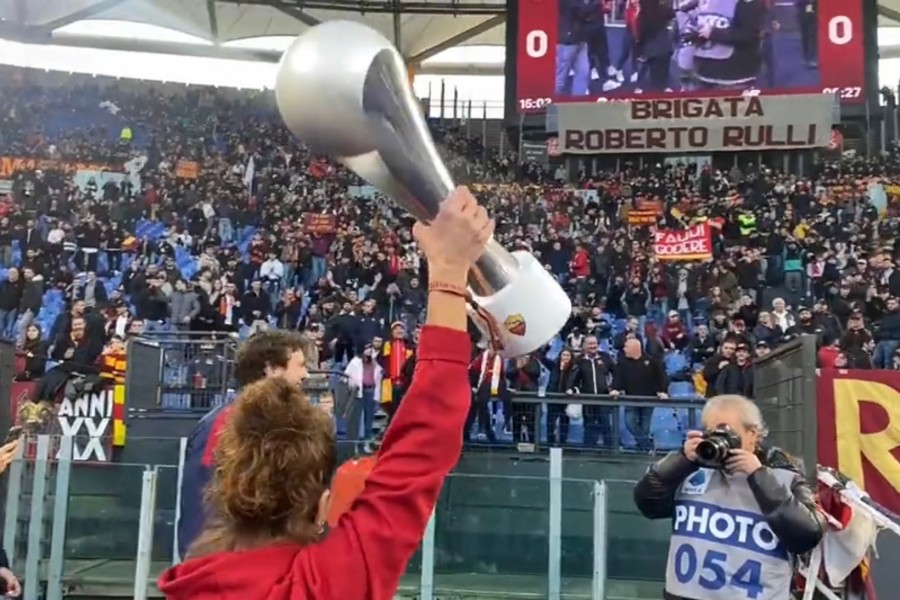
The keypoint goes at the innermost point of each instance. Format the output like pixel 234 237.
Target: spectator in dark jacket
pixel 591 377
pixel 367 325
pixel 93 292
pixel 639 375
pixel 524 375
pixel 287 311
pixel 702 346
pixel 255 306
pixel 10 295
pixel 34 353
pixel 31 301
pixel 152 303
pixel 856 336
pixel 767 330
pixel 558 383
pixel 714 366
pixel 737 376
pixel 888 335
pixel 571 50
pixel 655 45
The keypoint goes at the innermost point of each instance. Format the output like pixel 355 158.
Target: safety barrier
pixel 599 423
pixel 68 532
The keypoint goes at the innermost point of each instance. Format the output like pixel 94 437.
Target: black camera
pixel 713 449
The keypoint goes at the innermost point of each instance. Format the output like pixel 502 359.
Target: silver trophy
pixel 343 89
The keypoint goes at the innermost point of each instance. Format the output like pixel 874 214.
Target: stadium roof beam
pixel 459 38
pixel 84 13
pixel 889 13
pixel 451 7
pixel 213 19
pixel 295 13
pixel 218 51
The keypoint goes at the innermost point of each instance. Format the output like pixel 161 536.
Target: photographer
pixel 739 509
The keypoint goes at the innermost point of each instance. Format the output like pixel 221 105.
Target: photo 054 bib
pixel 721 547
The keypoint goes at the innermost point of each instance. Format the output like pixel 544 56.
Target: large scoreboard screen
pixel 604 50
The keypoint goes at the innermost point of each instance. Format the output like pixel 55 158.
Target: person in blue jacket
pixel 271 353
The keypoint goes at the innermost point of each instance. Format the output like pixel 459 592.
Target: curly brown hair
pixel 275 459
pixel 270 348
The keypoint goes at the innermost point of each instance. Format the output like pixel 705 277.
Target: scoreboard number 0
pixel 840 30
pixel 536 43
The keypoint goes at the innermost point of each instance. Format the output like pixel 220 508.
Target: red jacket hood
pixel 261 574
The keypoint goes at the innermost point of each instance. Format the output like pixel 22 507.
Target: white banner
pixel 89 421
pixel 697 124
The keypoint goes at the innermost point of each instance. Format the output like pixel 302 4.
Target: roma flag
pixel 859 430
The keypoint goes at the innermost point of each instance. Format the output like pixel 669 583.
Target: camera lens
pixel 712 450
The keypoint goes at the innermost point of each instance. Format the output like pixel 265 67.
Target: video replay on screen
pixel 607 50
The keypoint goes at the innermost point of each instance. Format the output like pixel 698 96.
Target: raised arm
pixel 377 536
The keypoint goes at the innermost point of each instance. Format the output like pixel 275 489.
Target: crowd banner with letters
pixel 639 218
pixel 697 124
pixel 187 169
pixel 319 223
pixel 694 243
pixel 535 152
pixel 10 165
pixel 96 420
pixel 859 429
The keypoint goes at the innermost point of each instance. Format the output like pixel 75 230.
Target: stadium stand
pixel 138 208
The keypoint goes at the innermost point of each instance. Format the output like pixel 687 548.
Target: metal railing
pixel 533 421
pixel 180 370
pixel 533 535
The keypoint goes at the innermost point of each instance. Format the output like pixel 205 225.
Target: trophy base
pixel 529 310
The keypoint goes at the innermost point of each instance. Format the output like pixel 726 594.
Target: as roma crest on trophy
pixel 515 324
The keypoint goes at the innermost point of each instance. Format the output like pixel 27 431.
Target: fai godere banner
pixel 859 429
pixel 693 243
pixel 697 124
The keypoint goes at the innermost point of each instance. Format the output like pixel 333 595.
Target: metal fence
pixel 785 389
pixel 180 370
pixel 533 420
pixel 68 542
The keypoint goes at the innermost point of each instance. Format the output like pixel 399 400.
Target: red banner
pixel 859 429
pixel 318 223
pixel 694 243
pixel 642 217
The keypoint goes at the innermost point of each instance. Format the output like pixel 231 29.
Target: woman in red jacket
pixel 269 496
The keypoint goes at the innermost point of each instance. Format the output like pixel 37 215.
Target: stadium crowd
pixel 130 208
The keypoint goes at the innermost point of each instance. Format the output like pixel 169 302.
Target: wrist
pixel 451 275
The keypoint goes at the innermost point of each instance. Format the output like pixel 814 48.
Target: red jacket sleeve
pixel 365 555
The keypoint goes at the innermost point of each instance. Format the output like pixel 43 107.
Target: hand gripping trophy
pixel 343 89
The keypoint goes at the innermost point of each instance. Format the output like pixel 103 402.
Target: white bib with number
pixel 721 546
